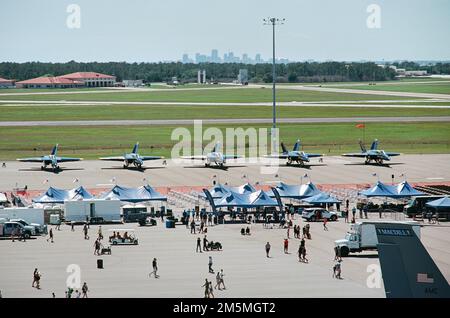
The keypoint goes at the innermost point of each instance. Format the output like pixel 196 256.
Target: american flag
pixel 424 278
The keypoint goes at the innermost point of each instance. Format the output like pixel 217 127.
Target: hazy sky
pixel 139 30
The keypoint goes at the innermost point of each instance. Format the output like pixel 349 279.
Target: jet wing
pixel 280 156
pixel 357 155
pixel 392 154
pixel 194 157
pixel 226 157
pixel 67 159
pixel 144 158
pixel 118 158
pixel 314 155
pixel 34 159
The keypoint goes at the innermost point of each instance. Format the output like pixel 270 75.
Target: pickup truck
pixel 38 228
pixel 7 228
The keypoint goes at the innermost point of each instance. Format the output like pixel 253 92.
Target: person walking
pixel 217 286
pixel 85 290
pixel 155 269
pixel 210 264
pixel 36 279
pixel 299 253
pixel 50 235
pixel 210 290
pixel 199 247
pixel 100 233
pixel 337 270
pixel 72 224
pixel 353 213
pixel 304 259
pixel 286 245
pixel 346 215
pixel 221 279
pixel 325 220
pixel 267 249
pixel 206 285
pixel 192 226
pixel 288 231
pixel 97 247
pixel 53 295
pixel 205 244
pixel 337 253
pixel 85 231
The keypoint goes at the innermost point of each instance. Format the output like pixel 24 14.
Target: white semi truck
pixel 362 236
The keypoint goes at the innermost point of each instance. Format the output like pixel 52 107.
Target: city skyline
pixel 228 57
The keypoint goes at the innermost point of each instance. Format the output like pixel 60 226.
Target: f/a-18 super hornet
pixel 295 155
pixel 373 154
pixel 214 157
pixel 51 159
pixel 132 158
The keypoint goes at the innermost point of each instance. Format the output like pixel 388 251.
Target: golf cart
pixel 123 237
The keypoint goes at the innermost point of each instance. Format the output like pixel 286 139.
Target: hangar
pixel 91 79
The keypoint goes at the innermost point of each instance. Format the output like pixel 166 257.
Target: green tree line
pixel 162 72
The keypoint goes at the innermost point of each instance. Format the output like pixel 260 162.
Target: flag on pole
pixel 360 126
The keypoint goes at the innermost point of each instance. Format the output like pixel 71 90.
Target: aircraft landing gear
pixel 367 161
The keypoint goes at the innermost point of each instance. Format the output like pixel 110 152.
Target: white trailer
pixel 362 236
pixel 80 211
pixel 30 215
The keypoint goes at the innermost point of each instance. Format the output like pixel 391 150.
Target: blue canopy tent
pixel 243 189
pixel 54 195
pixel 251 200
pixel 322 198
pixel 439 203
pixel 141 194
pixel 380 190
pixel 404 189
pixel 220 190
pixel 295 191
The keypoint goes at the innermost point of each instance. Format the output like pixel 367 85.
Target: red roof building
pixel 5 83
pixel 49 82
pixel 92 79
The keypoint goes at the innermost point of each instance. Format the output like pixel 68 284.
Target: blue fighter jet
pixel 51 159
pixel 373 154
pixel 132 158
pixel 295 155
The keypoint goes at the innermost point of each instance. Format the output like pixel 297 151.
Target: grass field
pixel 137 112
pixel 231 95
pixel 324 138
pixel 432 88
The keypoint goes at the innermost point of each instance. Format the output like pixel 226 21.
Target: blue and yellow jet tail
pixel 297 145
pixel 135 148
pixel 54 150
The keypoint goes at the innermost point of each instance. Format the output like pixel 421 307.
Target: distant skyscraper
pixel 245 58
pixel 186 59
pixel 215 56
pixel 258 58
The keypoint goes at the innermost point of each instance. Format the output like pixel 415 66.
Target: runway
pixel 243 121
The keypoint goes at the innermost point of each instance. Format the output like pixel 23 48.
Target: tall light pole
pixel 273 21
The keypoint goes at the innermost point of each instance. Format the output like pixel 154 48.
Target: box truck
pixel 362 236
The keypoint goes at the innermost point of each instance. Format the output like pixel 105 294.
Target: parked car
pixel 317 214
